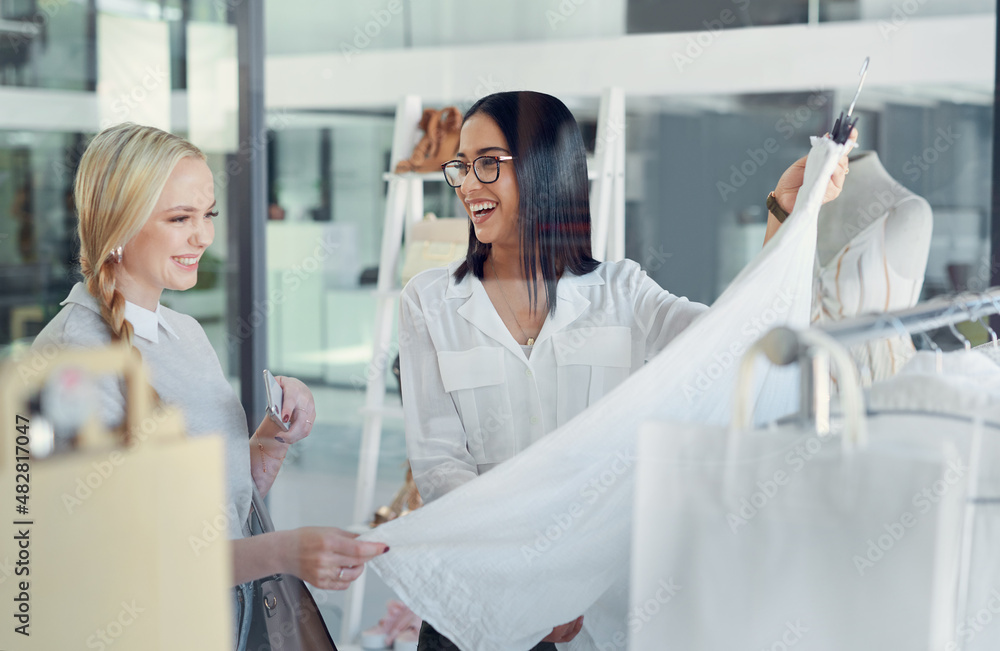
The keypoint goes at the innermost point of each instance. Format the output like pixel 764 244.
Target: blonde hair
pixel 120 178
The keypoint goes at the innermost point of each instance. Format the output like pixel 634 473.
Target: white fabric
pixel 473 398
pixel 967 387
pixel 797 542
pixel 990 350
pixel 544 537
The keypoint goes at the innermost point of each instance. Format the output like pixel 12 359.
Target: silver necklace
pixel 531 340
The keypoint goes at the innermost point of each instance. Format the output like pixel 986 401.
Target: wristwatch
pixel 775 208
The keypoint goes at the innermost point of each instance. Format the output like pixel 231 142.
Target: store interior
pixel 719 98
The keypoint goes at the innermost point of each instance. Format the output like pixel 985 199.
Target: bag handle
pixel 25 376
pixel 783 346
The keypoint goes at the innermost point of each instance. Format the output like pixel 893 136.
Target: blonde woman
pixel 146 202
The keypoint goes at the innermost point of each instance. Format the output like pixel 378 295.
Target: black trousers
pixel 431 640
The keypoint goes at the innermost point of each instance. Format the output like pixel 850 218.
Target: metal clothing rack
pixel 936 313
pixel 783 346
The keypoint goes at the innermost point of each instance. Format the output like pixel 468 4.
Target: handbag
pixel 285 615
pixel 434 242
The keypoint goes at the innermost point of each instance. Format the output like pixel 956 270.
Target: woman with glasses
pixel 528 330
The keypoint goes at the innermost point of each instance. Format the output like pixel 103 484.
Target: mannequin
pixel 871 255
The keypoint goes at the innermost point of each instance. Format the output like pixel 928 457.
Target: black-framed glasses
pixel 486 169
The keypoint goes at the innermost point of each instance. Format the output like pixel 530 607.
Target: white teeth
pixel 187 262
pixel 486 205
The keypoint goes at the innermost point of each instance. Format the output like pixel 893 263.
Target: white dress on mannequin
pixel 870 258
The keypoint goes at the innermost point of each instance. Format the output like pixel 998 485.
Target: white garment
pixel 146 323
pixel 966 387
pixel 859 280
pixel 471 396
pixel 544 537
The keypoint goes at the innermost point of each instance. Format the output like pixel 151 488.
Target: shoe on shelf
pixel 446 144
pixel 406 499
pixel 430 123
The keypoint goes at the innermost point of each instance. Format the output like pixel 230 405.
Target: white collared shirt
pixel 145 323
pixel 472 399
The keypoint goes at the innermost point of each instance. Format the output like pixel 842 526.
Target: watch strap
pixel 775 208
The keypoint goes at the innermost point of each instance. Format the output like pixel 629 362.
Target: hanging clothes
pixel 950 392
pixel 498 562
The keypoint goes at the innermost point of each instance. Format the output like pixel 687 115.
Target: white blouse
pixel 472 398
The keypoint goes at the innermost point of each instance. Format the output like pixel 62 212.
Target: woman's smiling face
pixel 165 253
pixel 492 207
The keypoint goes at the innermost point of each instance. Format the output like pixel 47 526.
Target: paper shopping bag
pixel 111 545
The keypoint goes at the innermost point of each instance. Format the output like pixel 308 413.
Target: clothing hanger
pixel 938 353
pixel 984 320
pixel 958 335
pixel 842 128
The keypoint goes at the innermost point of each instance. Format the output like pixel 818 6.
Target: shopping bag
pixel 121 542
pixel 782 538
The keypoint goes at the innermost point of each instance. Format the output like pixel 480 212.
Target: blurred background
pixel 707 86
